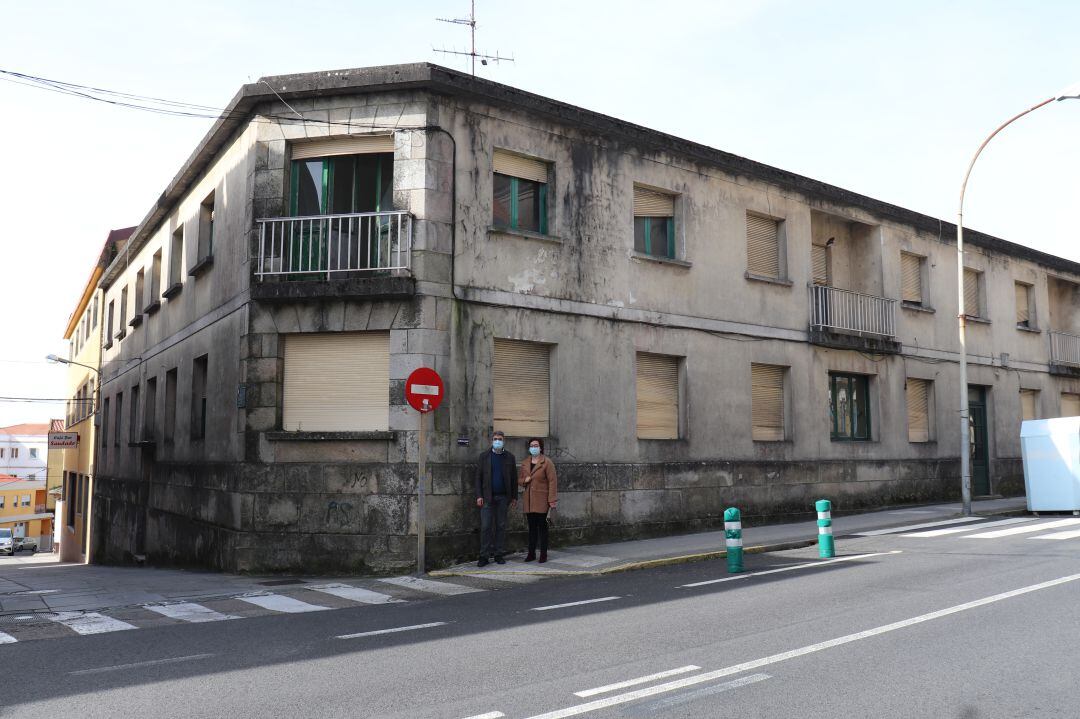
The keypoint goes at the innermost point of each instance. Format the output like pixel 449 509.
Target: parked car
pixel 29 543
pixel 7 542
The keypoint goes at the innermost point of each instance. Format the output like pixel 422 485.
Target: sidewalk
pixel 40 583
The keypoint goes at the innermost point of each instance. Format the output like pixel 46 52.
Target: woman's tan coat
pixel 540 484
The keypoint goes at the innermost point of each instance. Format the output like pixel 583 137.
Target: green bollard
pixel 826 548
pixel 733 539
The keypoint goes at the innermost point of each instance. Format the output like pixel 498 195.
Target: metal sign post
pixel 424 393
pixel 421 480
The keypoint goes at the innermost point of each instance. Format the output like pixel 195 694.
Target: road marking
pixel 356 594
pixel 7 639
pixel 428 585
pixel 391 631
pixel 808 565
pixel 150 663
pixel 1069 534
pixel 794 653
pixel 634 682
pixel 574 604
pixel 281 603
pixel 189 612
pixel 489 715
pixel 664 704
pixel 913 527
pixel 89 622
pixel 580 560
pixel 971 528
pixel 1024 530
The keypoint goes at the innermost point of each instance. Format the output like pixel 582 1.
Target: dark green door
pixel 980 456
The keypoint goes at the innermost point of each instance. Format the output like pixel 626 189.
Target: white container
pixel 1051 451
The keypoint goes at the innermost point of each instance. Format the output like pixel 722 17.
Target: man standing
pixel 496 491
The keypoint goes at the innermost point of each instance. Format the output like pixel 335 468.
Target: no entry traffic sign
pixel 424 390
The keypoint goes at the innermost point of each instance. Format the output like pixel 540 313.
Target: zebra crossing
pixel 977 528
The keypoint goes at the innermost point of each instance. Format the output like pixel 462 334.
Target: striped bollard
pixel 826 548
pixel 733 539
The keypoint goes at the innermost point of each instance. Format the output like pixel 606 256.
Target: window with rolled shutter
pixel 1023 304
pixel 651 203
pixel 521 382
pixel 657 396
pixel 918 410
pixel 1070 404
pixel 971 293
pixel 337 382
pixel 357 145
pixel 525 168
pixel 819 264
pixel 762 246
pixel 767 402
pixel 911 278
pixel 1028 398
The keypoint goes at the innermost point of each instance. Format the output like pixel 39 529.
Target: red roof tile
pixel 26 428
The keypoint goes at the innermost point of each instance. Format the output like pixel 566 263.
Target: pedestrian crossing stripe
pixel 1021 525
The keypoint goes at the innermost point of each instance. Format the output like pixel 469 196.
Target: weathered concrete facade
pixel 248 494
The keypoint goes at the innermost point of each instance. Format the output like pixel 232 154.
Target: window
pixel 24 500
pixel 762 246
pixel 14 452
pixel 121 329
pixel 654 222
pixel 119 418
pixel 767 402
pixel 152 299
pixel 337 382
pixel 1070 404
pixel 69 498
pixel 1 453
pixel 198 397
pixel 93 314
pixel 176 258
pixel 972 295
pixel 133 413
pixel 819 264
pixel 519 195
pixel 911 280
pixel 170 405
pixel 140 291
pixel 657 396
pixel 521 380
pixel 1025 310
pixel 1028 404
pixel 104 426
pixel 150 409
pixel 206 227
pixel 918 410
pixel 2 500
pixel 109 326
pixel 849 407
pixel 342 176
pixel 33 453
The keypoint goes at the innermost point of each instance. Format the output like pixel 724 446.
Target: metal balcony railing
pixel 851 312
pixel 324 246
pixel 1064 349
pixel 40 509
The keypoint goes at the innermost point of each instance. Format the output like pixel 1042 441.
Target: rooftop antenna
pixel 472 54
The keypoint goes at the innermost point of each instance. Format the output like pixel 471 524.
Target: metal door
pixel 980 456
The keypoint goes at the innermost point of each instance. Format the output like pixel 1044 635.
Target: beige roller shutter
pixel 1027 404
pixel 521 380
pixel 650 203
pixel 767 402
pixel 355 145
pixel 910 278
pixel 971 293
pixel 526 168
pixel 918 410
pixel 762 246
pixel 337 382
pixel 657 396
pixel 1070 404
pixel 1023 298
pixel 819 264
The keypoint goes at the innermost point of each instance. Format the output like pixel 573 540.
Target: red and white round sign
pixel 424 390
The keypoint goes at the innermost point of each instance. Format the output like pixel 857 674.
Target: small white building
pixel 24 450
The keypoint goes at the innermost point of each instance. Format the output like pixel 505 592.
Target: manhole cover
pixel 281 582
pixel 20 619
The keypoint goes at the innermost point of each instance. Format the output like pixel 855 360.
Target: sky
pixel 885 99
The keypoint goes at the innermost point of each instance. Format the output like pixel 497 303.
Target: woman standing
pixel 541 487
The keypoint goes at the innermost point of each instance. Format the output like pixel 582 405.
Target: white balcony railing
pixel 324 246
pixel 1064 349
pixel 851 312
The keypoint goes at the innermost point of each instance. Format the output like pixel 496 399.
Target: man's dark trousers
pixel 493 517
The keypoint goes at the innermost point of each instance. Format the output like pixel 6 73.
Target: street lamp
pixel 55 359
pixel 1070 93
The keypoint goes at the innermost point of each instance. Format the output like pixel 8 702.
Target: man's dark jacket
pixel 482 479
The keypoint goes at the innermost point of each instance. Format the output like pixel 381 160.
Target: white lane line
pixel 1024 530
pixel 1068 534
pixel 356 594
pixel 7 639
pixel 970 528
pixel 634 682
pixel 89 622
pixel 136 665
pixel 281 603
pixel 794 653
pixel 189 612
pixel 428 585
pixel 580 560
pixel 574 604
pixel 391 631
pixel 686 698
pixel 489 715
pixel 808 565
pixel 913 527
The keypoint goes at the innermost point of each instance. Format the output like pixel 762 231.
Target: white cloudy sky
pixel 886 99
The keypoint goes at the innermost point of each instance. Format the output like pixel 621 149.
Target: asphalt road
pixel 930 625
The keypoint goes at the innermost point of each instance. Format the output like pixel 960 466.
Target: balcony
pixel 1064 354
pixel 844 319
pixel 361 255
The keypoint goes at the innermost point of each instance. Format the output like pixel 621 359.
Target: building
pixel 84 336
pixel 23 450
pixel 23 510
pixel 688 329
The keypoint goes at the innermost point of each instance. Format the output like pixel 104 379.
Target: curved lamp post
pixel 1070 93
pixel 60 360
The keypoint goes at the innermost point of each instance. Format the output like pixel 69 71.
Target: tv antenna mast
pixel 472 54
